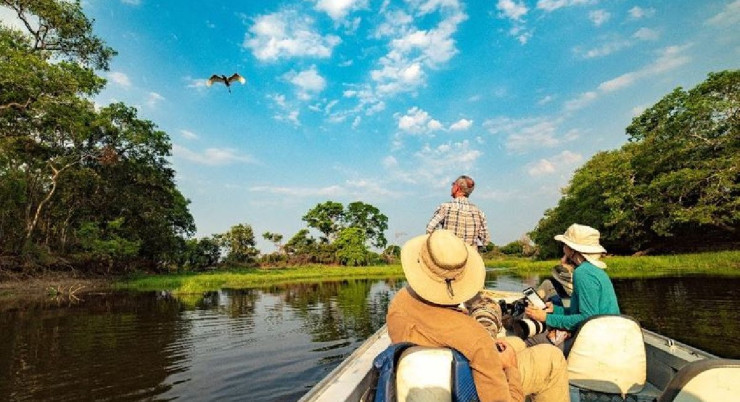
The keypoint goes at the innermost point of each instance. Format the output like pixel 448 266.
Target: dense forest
pixel 673 187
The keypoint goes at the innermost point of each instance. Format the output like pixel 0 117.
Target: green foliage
pixel 513 248
pixel 369 219
pixel 674 186
pixel 325 218
pixel 74 179
pixel 350 246
pixel 240 244
pixel 201 254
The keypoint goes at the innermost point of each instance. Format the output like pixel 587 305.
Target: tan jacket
pixel 411 320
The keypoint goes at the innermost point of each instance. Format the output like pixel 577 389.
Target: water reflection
pixel 272 343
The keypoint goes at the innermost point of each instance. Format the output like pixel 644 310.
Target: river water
pixel 269 344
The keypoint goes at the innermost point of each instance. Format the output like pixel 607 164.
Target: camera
pixel 515 320
pixel 525 327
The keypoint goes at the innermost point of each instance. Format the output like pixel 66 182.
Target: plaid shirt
pixel 464 219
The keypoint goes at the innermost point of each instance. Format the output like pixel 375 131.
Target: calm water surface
pixel 269 344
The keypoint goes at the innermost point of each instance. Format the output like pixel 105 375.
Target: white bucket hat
pixel 442 269
pixel 585 240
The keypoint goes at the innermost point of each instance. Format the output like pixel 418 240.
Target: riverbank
pixel 54 284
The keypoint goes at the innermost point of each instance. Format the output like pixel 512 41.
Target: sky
pixel 387 102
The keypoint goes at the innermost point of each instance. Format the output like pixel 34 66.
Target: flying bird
pixel 225 80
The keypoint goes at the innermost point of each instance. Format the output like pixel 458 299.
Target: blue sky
pixel 386 102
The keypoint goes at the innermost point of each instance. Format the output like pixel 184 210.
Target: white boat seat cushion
pixel 705 380
pixel 608 355
pixel 424 374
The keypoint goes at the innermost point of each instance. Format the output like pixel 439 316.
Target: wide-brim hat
pixel 442 269
pixel 585 240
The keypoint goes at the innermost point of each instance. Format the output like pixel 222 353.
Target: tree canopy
pixel 78 184
pixel 673 187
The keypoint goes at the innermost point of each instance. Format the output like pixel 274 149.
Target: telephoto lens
pixel 526 328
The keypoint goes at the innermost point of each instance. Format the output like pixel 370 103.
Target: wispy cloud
pixel 512 9
pixel 730 16
pixel 153 99
pixel 525 134
pixel 287 34
pixel 646 34
pixel 338 9
pixel 552 5
pixel 131 2
pixel 120 78
pixel 308 82
pixel 558 163
pixel 461 125
pixel 211 156
pixel 599 17
pixel 668 59
pixel 189 134
pixel 639 12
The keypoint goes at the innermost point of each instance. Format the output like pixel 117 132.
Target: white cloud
pixel 545 100
pixel 524 134
pixel 417 121
pixel 413 50
pixel 287 34
pixel 599 17
pixel 131 2
pixel 461 125
pixel 120 78
pixel 639 12
pixel 511 9
pixel 309 82
pixel 581 101
pixel 153 99
pixel 329 191
pixel 189 134
pixel 338 9
pixel 552 5
pixel 564 160
pixel 389 162
pixel 646 34
pixel 605 49
pixel 730 16
pixel 211 156
pixel 668 59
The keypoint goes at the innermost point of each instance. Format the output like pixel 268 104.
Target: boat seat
pixel 608 355
pixel 433 374
pixel 704 380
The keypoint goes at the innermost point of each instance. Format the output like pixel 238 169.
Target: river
pixel 269 344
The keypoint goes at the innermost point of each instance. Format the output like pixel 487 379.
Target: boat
pixel 351 378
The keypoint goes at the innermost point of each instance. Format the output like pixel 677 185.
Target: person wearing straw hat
pixel 442 272
pixel 460 216
pixel 593 292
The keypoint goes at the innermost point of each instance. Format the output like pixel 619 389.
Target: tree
pixel 240 244
pixel 674 186
pixel 369 219
pixel 276 239
pixel 326 218
pixel 350 245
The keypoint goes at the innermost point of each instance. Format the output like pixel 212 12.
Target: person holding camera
pixel 442 272
pixel 593 292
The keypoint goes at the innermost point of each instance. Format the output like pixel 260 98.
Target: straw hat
pixel 442 269
pixel 585 240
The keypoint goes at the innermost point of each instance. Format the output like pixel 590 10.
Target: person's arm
pixel 492 378
pixel 483 233
pixel 437 218
pixel 588 303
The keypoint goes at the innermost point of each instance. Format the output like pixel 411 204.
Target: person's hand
pixel 506 353
pixel 536 313
pixel 549 308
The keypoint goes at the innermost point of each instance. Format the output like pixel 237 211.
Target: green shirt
pixel 593 294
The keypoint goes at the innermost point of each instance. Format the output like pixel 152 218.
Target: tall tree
pixel 370 220
pixel 674 186
pixel 326 218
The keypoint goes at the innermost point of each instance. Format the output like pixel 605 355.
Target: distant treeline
pixel 673 187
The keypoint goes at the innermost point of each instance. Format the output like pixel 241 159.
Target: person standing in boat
pixel 593 292
pixel 442 272
pixel 466 220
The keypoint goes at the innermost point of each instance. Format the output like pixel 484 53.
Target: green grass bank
pixel 714 263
